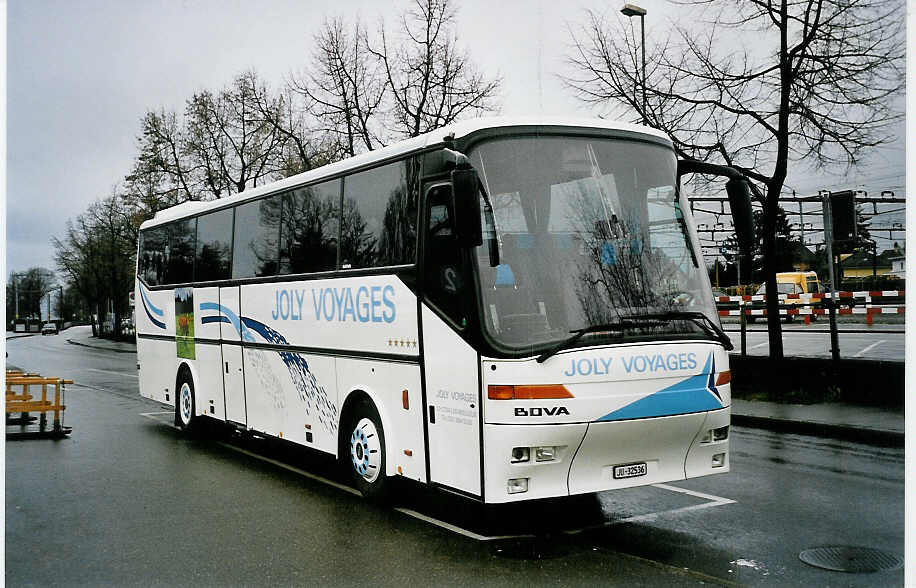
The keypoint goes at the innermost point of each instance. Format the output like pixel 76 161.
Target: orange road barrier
pixel 19 399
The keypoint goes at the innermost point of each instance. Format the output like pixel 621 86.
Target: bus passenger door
pixel 452 406
pixel 233 374
pixel 451 365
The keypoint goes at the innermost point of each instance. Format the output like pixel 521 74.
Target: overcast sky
pixel 81 74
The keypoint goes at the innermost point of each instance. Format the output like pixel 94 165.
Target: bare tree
pixel 162 175
pixel 26 291
pixel 764 84
pixel 228 139
pixel 97 257
pixel 343 87
pixel 432 82
pixel 304 147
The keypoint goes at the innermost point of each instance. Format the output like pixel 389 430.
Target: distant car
pixel 49 329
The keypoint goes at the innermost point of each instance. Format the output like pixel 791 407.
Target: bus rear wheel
pixel 366 455
pixel 185 404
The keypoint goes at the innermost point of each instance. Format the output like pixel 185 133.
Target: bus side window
pixel 309 229
pixel 182 243
pixel 153 248
pixel 378 221
pixel 255 250
pixel 214 246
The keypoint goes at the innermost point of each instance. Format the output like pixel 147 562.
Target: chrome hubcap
pixel 365 450
pixel 185 402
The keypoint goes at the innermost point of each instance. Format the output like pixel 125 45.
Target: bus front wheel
pixel 367 452
pixel 184 403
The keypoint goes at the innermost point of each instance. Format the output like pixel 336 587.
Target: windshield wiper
pixel 579 333
pixel 696 317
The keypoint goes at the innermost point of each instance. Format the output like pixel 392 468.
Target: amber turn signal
pixel 528 392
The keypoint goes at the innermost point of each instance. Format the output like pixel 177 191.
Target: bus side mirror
pixel 467 208
pixel 739 200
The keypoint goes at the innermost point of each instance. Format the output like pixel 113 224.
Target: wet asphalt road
pixel 129 500
pixel 881 342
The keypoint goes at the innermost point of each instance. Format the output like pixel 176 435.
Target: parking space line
pixel 112 372
pixel 710 497
pixel 457 529
pixel 98 388
pixel 653 516
pixel 290 468
pixel 869 348
pixel 152 415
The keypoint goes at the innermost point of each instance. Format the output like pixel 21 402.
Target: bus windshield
pixel 591 232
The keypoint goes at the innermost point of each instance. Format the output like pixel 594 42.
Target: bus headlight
pixel 545 453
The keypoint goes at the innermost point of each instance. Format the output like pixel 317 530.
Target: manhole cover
pixel 843 558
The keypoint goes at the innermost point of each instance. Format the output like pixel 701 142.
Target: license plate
pixel 632 470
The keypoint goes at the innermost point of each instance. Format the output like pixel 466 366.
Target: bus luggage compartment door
pixel 233 374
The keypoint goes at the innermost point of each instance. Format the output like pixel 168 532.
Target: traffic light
pixel 843 207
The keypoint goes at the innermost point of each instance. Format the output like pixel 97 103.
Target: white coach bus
pixel 507 309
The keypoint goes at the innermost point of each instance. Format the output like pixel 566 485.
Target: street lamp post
pixel 630 10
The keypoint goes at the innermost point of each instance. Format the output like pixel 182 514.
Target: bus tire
pixel 366 452
pixel 185 403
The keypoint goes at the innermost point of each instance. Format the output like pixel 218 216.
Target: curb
pixel 99 347
pixel 878 437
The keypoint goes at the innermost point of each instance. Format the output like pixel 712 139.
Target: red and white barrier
pixel 871 306
pixel 866 294
pixel 818 311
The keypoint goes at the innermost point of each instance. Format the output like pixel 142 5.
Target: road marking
pixel 457 529
pixel 710 497
pixel 759 345
pixel 111 372
pixel 99 388
pixel 293 469
pixel 713 500
pixel 869 348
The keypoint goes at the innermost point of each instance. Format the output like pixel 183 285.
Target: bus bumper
pixel 586 455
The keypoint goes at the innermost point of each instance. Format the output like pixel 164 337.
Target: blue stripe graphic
pixel 695 394
pixel 308 388
pixel 148 306
pixel 215 319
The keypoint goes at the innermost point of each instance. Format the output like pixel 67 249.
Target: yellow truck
pixel 795 283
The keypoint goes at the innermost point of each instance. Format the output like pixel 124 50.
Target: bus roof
pixel 456 131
